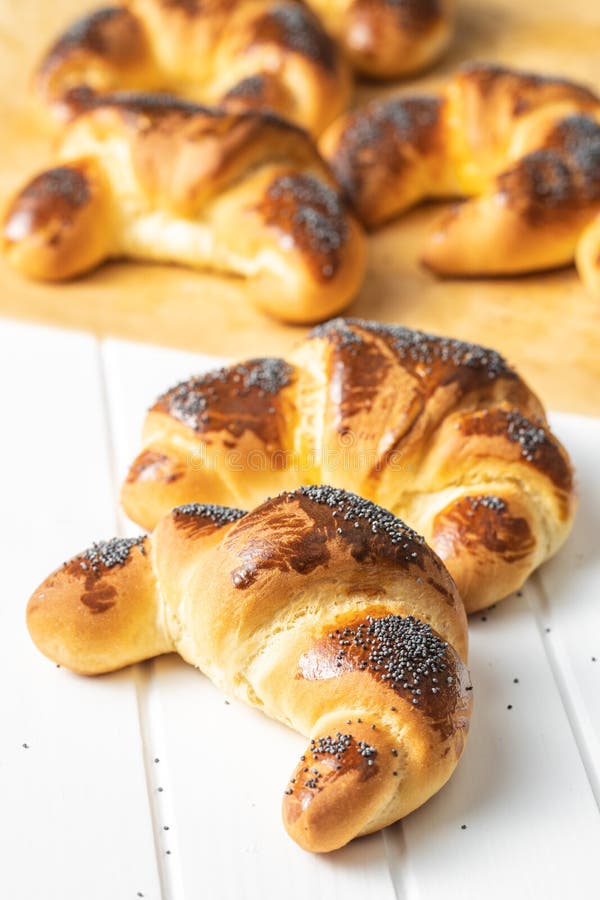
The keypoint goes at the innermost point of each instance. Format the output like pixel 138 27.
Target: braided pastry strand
pixel 246 54
pixel 318 607
pixel 154 178
pixel 443 433
pixel 526 148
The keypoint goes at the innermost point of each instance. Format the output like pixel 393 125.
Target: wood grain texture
pixel 545 324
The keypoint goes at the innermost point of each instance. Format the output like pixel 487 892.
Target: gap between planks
pixel 540 606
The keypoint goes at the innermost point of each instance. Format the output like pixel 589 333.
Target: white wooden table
pixel 129 786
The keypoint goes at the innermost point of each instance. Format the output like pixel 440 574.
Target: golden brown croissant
pixel 441 432
pixel 389 38
pixel 318 607
pixel 267 54
pixel 587 256
pixel 526 147
pixel 150 177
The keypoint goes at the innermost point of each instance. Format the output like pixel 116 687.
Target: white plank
pixel 523 788
pixel 569 600
pixel 533 827
pixel 75 819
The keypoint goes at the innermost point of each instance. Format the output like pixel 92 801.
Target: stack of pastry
pixel 278 564
pixel 227 187
pixel 233 190
pixel 320 606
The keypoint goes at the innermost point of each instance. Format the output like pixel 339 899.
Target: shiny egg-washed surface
pixel 442 432
pixel 245 195
pixel 264 54
pixel 524 147
pixel 319 607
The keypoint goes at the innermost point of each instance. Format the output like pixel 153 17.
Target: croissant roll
pixel 389 40
pixel 56 227
pixel 320 608
pixel 245 195
pixel 534 215
pixel 587 257
pixel 524 147
pixel 444 433
pixel 267 54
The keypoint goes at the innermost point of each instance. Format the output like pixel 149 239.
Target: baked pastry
pixel 443 433
pixel 526 148
pixel 346 627
pixel 267 54
pixel 587 256
pixel 389 38
pixel 151 177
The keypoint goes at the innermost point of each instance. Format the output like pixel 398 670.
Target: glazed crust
pixel 525 147
pixel 443 433
pixel 262 54
pixel 587 257
pixel 347 627
pixel 389 38
pixel 243 194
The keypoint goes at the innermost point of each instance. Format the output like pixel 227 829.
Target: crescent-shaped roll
pixel 524 147
pixel 587 257
pixel 318 607
pixel 246 54
pixel 443 433
pixel 153 178
pixel 389 38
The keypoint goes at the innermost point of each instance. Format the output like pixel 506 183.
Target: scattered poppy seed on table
pixel 594 659
pixel 26 746
pixel 509 706
pixel 156 759
pixel 160 790
pixel 547 630
pixel 165 827
pixel 168 852
pixel 484 618
pixel 515 680
pixel 463 827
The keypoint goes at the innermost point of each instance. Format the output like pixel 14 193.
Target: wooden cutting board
pixel 545 324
